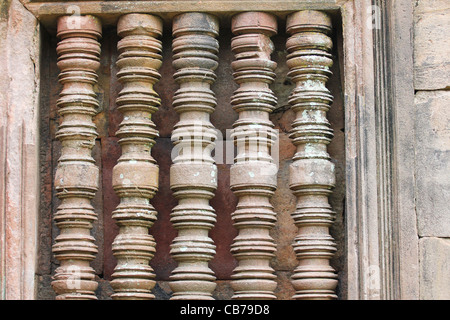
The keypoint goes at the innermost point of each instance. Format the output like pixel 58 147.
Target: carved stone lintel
pixel 193 175
pixel 311 173
pixel 254 173
pixel 76 179
pixel 135 176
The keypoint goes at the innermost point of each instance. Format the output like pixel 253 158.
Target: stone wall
pixel 432 141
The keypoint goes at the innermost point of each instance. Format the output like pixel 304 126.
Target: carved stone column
pixel 193 175
pixel 76 179
pixel 254 173
pixel 135 177
pixel 312 173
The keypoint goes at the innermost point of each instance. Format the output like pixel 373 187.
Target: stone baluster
pixel 253 176
pixel 193 175
pixel 135 176
pixel 311 173
pixel 76 179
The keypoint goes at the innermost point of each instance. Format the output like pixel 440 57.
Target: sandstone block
pixel 434 268
pixel 431 44
pixel 432 163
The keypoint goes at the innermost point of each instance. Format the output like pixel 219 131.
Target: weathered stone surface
pixel 431 44
pixel 97 202
pixel 223 290
pixel 104 290
pixel 285 230
pixel 135 176
pixel 19 152
pixel 48 53
pixel 432 116
pixel 110 154
pixel 253 174
pixel 76 177
pixel 44 289
pixel 193 174
pixel 434 268
pixel 285 290
pixel 224 202
pixel 164 202
pixel 312 173
pixel 402 79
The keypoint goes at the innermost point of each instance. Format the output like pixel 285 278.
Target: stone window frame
pixel 381 231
